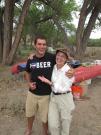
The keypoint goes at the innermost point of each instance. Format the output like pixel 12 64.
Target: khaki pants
pixel 36 103
pixel 59 116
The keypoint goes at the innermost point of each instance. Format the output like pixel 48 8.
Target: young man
pixel 38 94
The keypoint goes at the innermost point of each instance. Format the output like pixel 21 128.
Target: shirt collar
pixel 61 69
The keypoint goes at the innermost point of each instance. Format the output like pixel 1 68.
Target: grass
pixel 3 68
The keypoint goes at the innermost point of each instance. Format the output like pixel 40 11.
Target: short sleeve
pixel 28 66
pixel 54 58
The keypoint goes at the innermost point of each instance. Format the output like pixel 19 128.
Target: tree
pixel 7 48
pixel 19 31
pixel 8 28
pixel 53 20
pixel 1 32
pixel 51 10
pixel 90 8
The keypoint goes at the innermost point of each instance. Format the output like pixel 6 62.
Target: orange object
pixel 77 91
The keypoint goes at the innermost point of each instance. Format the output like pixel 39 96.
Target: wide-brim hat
pixel 63 50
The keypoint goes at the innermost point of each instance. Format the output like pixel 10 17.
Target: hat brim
pixel 62 52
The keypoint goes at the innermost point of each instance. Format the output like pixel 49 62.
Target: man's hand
pixel 31 56
pixel 32 85
pixel 70 73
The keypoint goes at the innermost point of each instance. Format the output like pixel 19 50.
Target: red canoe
pixel 19 67
pixel 85 73
pixel 81 73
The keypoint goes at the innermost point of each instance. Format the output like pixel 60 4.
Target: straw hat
pixel 63 50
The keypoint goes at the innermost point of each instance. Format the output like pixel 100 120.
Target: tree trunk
pixel 24 39
pixel 8 28
pixel 80 29
pixel 62 30
pixel 83 32
pixel 1 34
pixel 19 31
pixel 1 45
pixel 89 27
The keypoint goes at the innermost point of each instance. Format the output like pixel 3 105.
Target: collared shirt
pixel 61 83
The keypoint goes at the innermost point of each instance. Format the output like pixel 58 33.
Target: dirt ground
pixel 86 117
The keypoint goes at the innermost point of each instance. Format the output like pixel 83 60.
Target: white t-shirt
pixel 61 83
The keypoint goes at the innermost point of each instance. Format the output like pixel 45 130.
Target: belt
pixel 60 93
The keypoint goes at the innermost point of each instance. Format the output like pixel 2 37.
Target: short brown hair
pixel 39 37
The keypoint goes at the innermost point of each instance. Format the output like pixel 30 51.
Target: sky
pixel 96 33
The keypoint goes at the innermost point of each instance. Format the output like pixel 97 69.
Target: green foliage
pixel 66 10
pixel 94 42
pixel 40 19
pixel 72 40
pixel 24 51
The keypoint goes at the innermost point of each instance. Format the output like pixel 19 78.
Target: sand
pixel 13 90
